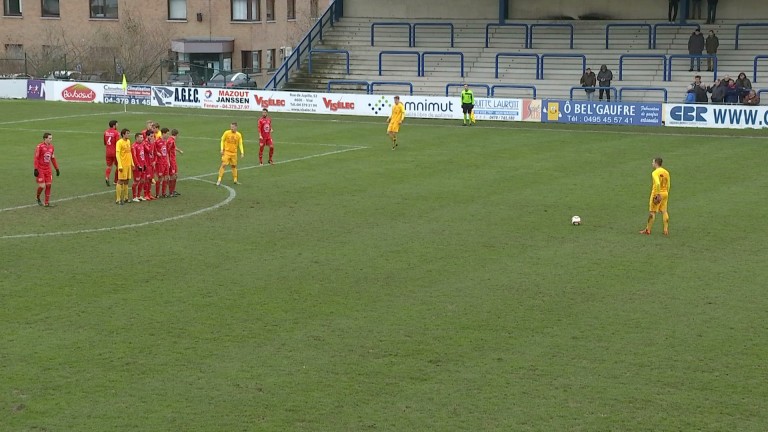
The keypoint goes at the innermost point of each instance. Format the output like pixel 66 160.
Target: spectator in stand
pixel 752 98
pixel 695 9
pixel 744 85
pixel 700 90
pixel 589 80
pixel 690 95
pixel 696 47
pixel 712 44
pixel 604 78
pixel 711 11
pixel 672 14
pixel 718 91
pixel 731 92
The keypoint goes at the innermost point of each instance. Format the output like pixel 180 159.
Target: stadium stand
pixel 513 57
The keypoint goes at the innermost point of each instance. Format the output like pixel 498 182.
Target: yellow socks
pixel 234 173
pixel 651 219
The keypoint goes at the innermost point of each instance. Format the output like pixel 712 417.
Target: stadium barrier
pixel 641 25
pixel 435 107
pixel 739 27
pixel 392 24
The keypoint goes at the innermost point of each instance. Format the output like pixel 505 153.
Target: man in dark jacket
pixel 696 47
pixel 588 80
pixel 712 43
pixel 604 78
pixel 711 11
pixel 673 6
pixel 718 91
pixel 700 90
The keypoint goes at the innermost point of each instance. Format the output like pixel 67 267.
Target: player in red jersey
pixel 139 162
pixel 265 137
pixel 111 136
pixel 43 159
pixel 161 165
pixel 149 171
pixel 150 125
pixel 174 169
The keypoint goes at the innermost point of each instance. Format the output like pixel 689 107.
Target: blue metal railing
pixel 546 56
pixel 513 86
pixel 504 54
pixel 489 26
pixel 327 51
pixel 485 86
pixel 449 53
pixel 408 53
pixel 661 89
pixel 675 25
pixel 655 56
pixel 754 66
pixel 759 92
pixel 293 61
pixel 694 57
pixel 739 26
pixel 534 26
pixel 609 89
pixel 349 82
pixel 431 24
pixel 392 24
pixel 391 83
pixel 642 25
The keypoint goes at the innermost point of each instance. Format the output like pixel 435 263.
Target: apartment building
pixel 207 35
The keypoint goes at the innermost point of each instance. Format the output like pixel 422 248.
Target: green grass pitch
pixel 438 287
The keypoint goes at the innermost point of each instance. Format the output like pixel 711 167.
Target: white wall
pixel 429 9
pixel 543 9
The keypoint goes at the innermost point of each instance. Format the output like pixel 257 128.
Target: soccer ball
pixel 576 220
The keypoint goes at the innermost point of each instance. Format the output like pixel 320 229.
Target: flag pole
pixel 125 94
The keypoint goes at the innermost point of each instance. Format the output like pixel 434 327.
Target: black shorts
pixel 466 108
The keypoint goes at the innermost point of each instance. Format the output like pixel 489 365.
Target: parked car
pixel 183 79
pixel 231 80
pixel 64 75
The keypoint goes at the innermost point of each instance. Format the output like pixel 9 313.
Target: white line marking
pixel 57 118
pixel 597 128
pixel 232 195
pixel 184 137
pixel 197 177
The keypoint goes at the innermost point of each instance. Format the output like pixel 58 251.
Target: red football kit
pixel 110 139
pixel 161 158
pixel 43 159
pixel 265 138
pixel 171 145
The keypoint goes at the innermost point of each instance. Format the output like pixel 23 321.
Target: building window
pixel 291 9
pixel 12 7
pixel 270 10
pixel 50 8
pixel 246 10
pixel 14 51
pixel 177 9
pixel 104 9
pixel 314 9
pixel 271 59
pixel 251 61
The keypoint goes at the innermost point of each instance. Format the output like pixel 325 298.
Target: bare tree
pixel 138 49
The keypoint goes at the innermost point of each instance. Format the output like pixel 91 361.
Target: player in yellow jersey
pixel 231 141
pixel 660 184
pixel 395 120
pixel 124 166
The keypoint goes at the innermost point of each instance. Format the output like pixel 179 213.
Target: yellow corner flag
pixel 125 83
